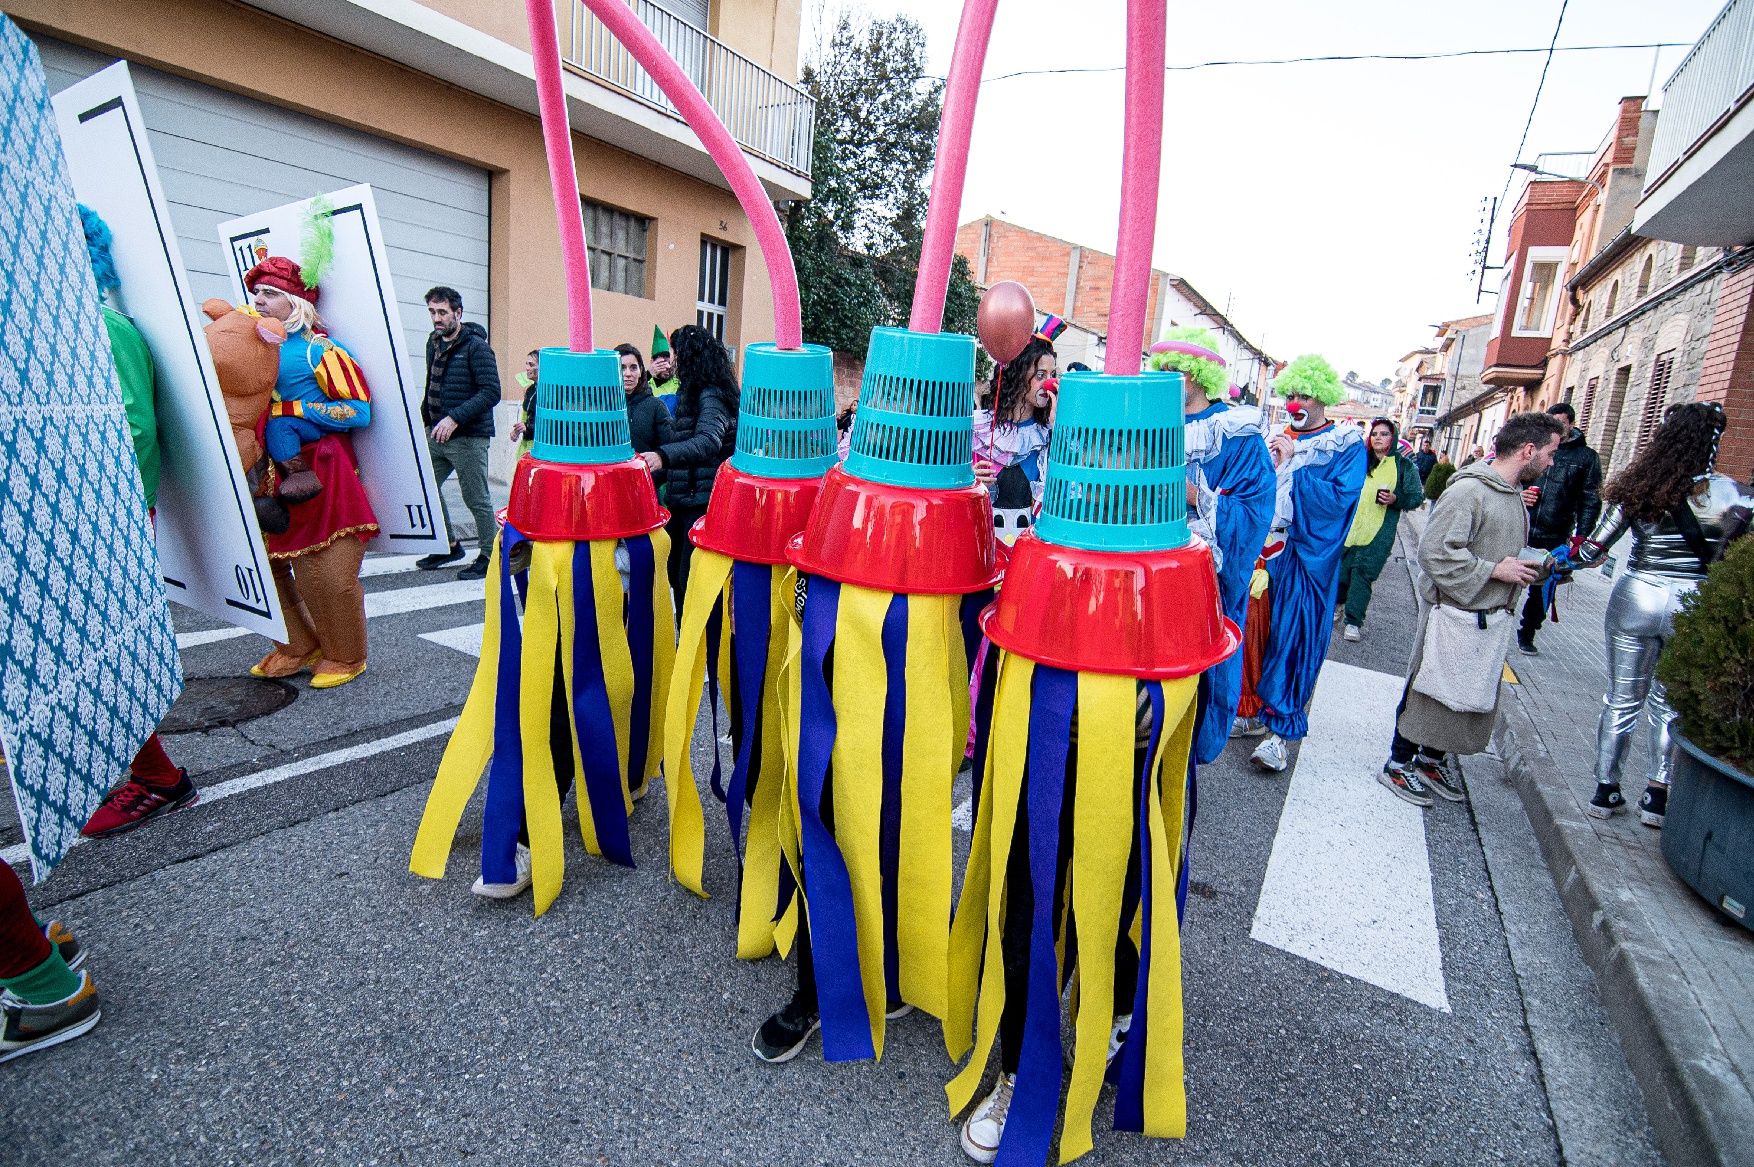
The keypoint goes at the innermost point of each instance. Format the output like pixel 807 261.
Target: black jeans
pixel 681 547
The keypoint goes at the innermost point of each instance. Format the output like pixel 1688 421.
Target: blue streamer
pixel 503 807
pixel 1040 1065
pixel 889 827
pixel 751 625
pixel 828 889
pixel 642 567
pixel 602 778
pixel 1130 1097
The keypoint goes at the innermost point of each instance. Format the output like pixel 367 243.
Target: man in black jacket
pixel 1563 505
pixel 462 387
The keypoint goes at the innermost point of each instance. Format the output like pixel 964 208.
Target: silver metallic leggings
pixel 1641 614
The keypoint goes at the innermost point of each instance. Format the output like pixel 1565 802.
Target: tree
pixel 856 243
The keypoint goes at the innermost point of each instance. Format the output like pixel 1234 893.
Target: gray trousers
pixel 468 457
pixel 1641 615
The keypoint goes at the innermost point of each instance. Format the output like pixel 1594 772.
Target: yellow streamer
pixel 791 685
pixel 1166 1104
pixel 542 601
pixel 467 752
pixel 708 583
pixel 663 650
pixel 761 851
pixel 930 739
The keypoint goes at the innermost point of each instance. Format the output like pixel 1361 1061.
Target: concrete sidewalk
pixel 1677 975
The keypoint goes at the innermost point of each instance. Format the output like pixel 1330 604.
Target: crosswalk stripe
pixel 1348 882
pixel 466 639
pixel 395 602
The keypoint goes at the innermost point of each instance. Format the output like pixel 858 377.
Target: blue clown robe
pixel 1318 492
pixel 1228 462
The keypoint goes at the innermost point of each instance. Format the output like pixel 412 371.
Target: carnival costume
pixel 576 650
pixel 1230 468
pixel 1666 563
pixel 1292 620
pixel 1371 538
pixel 736 626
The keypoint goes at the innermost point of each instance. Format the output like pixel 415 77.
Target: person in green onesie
pixel 1390 487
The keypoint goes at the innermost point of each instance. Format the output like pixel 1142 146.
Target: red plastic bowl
pixel 752 518
pixel 557 502
pixel 900 538
pixel 1143 614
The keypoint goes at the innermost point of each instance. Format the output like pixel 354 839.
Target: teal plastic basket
pixel 916 406
pixel 581 408
pixel 1116 479
pixel 785 416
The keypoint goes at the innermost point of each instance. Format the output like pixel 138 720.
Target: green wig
pixel 1310 376
pixel 1208 375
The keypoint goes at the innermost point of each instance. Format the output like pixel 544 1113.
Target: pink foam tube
pixel 950 164
pixel 1141 163
pixel 618 18
pixel 562 176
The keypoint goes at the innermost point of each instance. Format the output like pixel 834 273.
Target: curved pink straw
pixel 950 164
pixel 1187 349
pixel 1141 161
pixel 562 176
pixel 618 18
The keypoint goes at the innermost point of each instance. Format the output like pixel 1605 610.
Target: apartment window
pixel 1538 302
pixel 1644 278
pixel 1689 254
pixel 1611 415
pixel 1589 403
pixel 712 307
pixel 1656 398
pixel 616 242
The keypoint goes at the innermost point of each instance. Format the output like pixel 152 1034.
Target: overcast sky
pixel 1329 204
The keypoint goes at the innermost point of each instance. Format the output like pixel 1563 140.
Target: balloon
pixel 1006 320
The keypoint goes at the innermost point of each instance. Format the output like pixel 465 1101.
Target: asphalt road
pixel 279 989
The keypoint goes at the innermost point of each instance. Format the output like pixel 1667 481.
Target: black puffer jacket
pixel 705 434
pixel 462 382
pixel 1571 494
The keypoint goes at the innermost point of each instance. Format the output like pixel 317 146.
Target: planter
pixel 1708 832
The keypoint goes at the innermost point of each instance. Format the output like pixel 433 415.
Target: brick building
pixel 1074 282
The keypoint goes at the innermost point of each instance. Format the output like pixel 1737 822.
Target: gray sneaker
pixel 1247 727
pixel 1405 783
pixel 26 1028
pixel 1438 779
pixel 1272 754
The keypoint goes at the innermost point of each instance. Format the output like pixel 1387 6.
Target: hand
pixel 1193 497
pixel 654 461
pixel 517 430
pixel 441 433
pixel 1531 496
pixel 1512 570
pixel 1384 497
pixel 985 472
pixel 1281 447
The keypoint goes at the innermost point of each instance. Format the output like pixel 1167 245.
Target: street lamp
pixel 1533 169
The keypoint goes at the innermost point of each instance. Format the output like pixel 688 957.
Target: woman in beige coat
pixel 1468 559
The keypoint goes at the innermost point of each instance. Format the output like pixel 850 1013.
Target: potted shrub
pixel 1708 668
pixel 1438 479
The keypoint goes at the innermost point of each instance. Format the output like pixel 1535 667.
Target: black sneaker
pixel 1526 645
pixel 782 1037
pixel 440 559
pixel 1653 806
pixel 1405 783
pixel 1438 778
pixel 477 569
pixel 1606 802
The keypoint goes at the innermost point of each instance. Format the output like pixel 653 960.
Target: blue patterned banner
pixel 88 657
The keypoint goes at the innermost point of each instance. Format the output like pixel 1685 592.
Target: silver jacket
pixel 1658 548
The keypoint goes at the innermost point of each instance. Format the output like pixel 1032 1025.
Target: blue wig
pixel 97 245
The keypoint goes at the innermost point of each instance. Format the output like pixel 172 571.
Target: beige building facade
pixel 253 105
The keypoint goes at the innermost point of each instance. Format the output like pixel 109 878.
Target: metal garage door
pixel 221 156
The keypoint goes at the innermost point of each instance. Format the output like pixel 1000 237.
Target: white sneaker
pixel 985 1124
pixel 1353 634
pixel 1271 754
pixel 1118 1036
pixel 1247 727
pixel 505 891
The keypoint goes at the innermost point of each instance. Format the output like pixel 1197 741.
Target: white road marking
pixel 19 854
pixel 1348 882
pixel 394 602
pixel 388 565
pixel 466 639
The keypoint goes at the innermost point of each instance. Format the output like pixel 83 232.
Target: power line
pixel 1549 50
pixel 1516 155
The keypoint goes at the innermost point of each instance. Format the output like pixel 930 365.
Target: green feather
pixel 1310 375
pixel 1208 375
pixel 317 247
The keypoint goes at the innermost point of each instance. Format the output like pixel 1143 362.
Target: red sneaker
pixel 134 802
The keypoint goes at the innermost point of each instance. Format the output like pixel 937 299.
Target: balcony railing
pixel 767 115
pixel 1712 81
